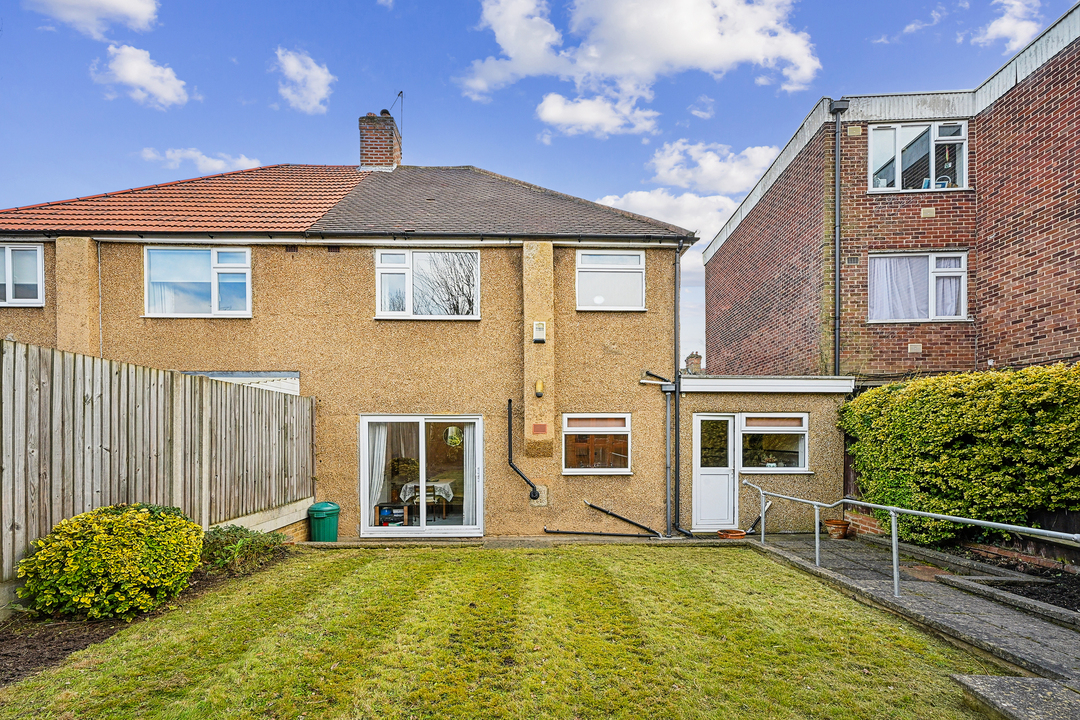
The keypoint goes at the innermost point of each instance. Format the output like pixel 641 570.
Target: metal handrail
pixel 893 512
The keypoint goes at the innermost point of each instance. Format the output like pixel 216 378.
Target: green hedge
pixel 988 445
pixel 115 561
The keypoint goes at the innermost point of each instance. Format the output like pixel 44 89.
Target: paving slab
pixel 1013 698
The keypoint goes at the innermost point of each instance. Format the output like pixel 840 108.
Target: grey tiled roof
pixel 470 201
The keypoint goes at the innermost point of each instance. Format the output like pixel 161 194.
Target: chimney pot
pixel 385 112
pixel 371 114
pixel 693 363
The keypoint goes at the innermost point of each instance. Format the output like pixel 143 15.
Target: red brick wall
pixel 862 524
pixel 894 222
pixel 764 285
pixel 1029 219
pixel 380 141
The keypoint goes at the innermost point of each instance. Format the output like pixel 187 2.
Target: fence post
pixel 205 386
pixel 176 440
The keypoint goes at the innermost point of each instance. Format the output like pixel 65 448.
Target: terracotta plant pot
pixel 731 534
pixel 837 528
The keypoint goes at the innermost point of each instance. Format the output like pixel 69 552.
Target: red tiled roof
pixel 275 198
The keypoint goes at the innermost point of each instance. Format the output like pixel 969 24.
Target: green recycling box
pixel 324 520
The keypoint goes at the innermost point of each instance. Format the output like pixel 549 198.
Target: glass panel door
pixel 422 474
pixel 714 496
pixel 450 473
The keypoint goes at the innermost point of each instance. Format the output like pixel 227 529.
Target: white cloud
pixel 600 116
pixel 710 167
pixel 306 86
pixel 1017 25
pixel 205 164
pixel 93 17
pixel 935 18
pixel 149 83
pixel 386 3
pixel 544 137
pixel 626 45
pixel 703 108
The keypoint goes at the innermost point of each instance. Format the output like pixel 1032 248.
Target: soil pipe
pixel 836 107
pixel 586 532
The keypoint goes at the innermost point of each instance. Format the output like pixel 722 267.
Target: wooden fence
pixel 78 432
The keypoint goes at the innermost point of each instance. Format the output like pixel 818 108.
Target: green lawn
pixel 584 631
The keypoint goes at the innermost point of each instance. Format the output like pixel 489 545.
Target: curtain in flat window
pixel 948 296
pixel 469 501
pixel 899 288
pixel 377 477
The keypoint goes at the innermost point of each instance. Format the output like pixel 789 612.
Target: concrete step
pixel 1019 698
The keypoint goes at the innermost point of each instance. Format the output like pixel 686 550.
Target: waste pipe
pixel 534 494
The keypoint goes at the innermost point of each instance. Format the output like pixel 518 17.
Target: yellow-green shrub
pixel 988 445
pixel 112 562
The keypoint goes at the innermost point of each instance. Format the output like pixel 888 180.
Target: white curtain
pixel 948 296
pixel 469 501
pixel 377 473
pixel 162 298
pixel 900 288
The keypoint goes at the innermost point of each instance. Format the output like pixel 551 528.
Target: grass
pixel 574 632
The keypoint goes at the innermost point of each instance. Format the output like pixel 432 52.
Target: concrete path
pixel 1035 645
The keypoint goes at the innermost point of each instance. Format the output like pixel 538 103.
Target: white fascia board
pixel 839 385
pixel 911 106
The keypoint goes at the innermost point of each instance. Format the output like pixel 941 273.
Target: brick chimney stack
pixel 380 142
pixel 693 363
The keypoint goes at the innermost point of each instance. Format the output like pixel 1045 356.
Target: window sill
pixel 612 309
pixel 921 322
pixel 202 317
pixel 22 305
pixel 775 471
pixel 427 317
pixel 896 191
pixel 597 471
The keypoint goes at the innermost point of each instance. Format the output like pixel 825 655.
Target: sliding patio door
pixel 421 475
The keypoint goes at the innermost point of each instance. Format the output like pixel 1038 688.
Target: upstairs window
pixel 428 284
pixel 932 156
pixel 610 280
pixel 596 444
pixel 910 287
pixel 23 271
pixel 198 282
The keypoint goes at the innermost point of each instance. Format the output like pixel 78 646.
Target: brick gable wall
pixel 764 286
pixel 1029 219
pixel 894 222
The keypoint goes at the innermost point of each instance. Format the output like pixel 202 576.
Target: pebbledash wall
pixel 313 313
pixel 769 272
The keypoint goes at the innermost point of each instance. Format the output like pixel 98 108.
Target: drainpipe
pixel 677 390
pixel 836 107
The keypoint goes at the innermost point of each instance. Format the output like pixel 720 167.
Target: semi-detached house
pixel 441 317
pixel 957 242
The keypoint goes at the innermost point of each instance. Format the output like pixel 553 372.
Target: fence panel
pixel 79 432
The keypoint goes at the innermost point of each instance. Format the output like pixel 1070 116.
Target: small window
pixel 430 284
pixel 610 280
pixel 198 282
pixel 23 271
pixel 774 443
pixel 933 156
pixel 913 287
pixel 596 444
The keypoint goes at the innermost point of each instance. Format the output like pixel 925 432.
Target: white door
pixel 715 500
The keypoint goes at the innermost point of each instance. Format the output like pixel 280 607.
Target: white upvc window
pixel 918 156
pixel 611 280
pixel 912 287
pixel 23 274
pixel 198 282
pixel 773 442
pixel 596 444
pixel 427 284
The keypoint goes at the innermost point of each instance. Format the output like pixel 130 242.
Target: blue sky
pixel 672 108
